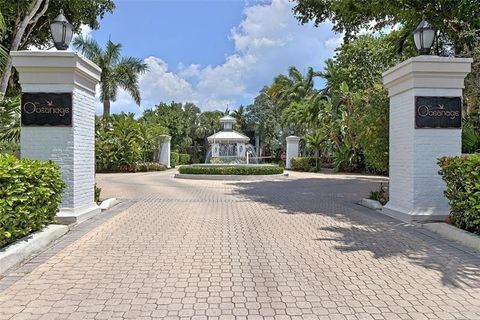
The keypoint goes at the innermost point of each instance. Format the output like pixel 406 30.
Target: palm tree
pixel 293 88
pixel 117 71
pixel 315 142
pixel 10 119
pixel 3 51
pixel 241 116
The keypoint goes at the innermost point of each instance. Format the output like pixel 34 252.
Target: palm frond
pixel 126 77
pixel 112 53
pixel 10 120
pixel 89 48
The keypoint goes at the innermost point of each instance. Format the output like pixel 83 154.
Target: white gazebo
pixel 228 143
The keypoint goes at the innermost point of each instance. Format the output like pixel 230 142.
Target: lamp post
pixel 424 36
pixel 62 32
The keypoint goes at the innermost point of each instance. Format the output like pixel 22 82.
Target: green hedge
pixel 137 167
pixel 174 159
pixel 184 158
pixel 231 170
pixel 149 166
pixel 301 164
pixel 462 176
pixel 30 192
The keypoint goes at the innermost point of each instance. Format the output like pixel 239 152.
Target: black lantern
pixel 424 36
pixel 62 32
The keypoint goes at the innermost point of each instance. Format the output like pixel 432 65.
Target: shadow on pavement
pixel 364 229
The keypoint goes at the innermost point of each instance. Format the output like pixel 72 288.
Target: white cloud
pixel 267 41
pixel 334 42
pixel 85 30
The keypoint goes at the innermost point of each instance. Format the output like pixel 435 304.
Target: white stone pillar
pixel 292 150
pixel 165 151
pixel 43 75
pixel 421 90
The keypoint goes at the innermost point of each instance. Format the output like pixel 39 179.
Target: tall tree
pixel 28 23
pixel 457 21
pixel 240 115
pixel 292 87
pixel 117 71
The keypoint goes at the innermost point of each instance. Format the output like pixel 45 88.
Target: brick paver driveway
pixel 294 249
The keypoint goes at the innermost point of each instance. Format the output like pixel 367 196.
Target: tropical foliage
pixel 28 24
pixel 462 177
pixel 231 169
pixel 30 192
pixel 456 22
pixel 117 71
pixel 125 144
pixel 10 119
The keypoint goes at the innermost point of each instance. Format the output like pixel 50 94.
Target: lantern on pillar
pixel 62 32
pixel 424 36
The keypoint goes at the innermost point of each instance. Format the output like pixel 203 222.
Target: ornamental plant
pixel 231 169
pixel 462 177
pixel 30 192
pixel 302 163
pixel 174 159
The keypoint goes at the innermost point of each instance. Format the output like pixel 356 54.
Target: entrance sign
pixel 40 108
pixel 438 112
pixel 424 92
pixel 58 122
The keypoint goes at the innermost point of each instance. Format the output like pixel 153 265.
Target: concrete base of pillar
pixel 69 216
pixel 417 215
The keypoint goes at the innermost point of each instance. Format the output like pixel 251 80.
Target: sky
pixel 211 52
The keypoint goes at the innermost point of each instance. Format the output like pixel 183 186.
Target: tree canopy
pixel 458 22
pixel 117 71
pixel 28 24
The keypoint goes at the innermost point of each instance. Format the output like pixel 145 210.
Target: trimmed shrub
pixel 462 176
pixel 137 167
pixel 174 159
pixel 149 166
pixel 184 158
pixel 30 192
pixel 302 163
pixel 231 170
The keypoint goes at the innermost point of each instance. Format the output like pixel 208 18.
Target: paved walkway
pixel 294 249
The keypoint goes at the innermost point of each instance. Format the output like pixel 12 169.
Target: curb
pixel 455 234
pixel 108 203
pixel 266 177
pixel 26 246
pixel 371 204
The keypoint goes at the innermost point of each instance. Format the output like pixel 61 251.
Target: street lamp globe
pixel 424 36
pixel 62 32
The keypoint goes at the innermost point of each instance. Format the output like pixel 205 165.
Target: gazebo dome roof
pixel 227 118
pixel 228 136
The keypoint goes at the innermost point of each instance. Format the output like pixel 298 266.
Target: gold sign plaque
pixel 438 112
pixel 46 109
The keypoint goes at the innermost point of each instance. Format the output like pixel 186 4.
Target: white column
pixel 71 146
pixel 292 150
pixel 165 151
pixel 416 188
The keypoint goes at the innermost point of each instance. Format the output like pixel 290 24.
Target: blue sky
pixel 211 52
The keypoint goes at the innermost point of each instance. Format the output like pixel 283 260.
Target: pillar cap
pixel 55 59
pixel 293 139
pixel 166 138
pixel 427 72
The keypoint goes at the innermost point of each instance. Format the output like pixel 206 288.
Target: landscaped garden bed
pixel 199 169
pixel 30 193
pixel 462 177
